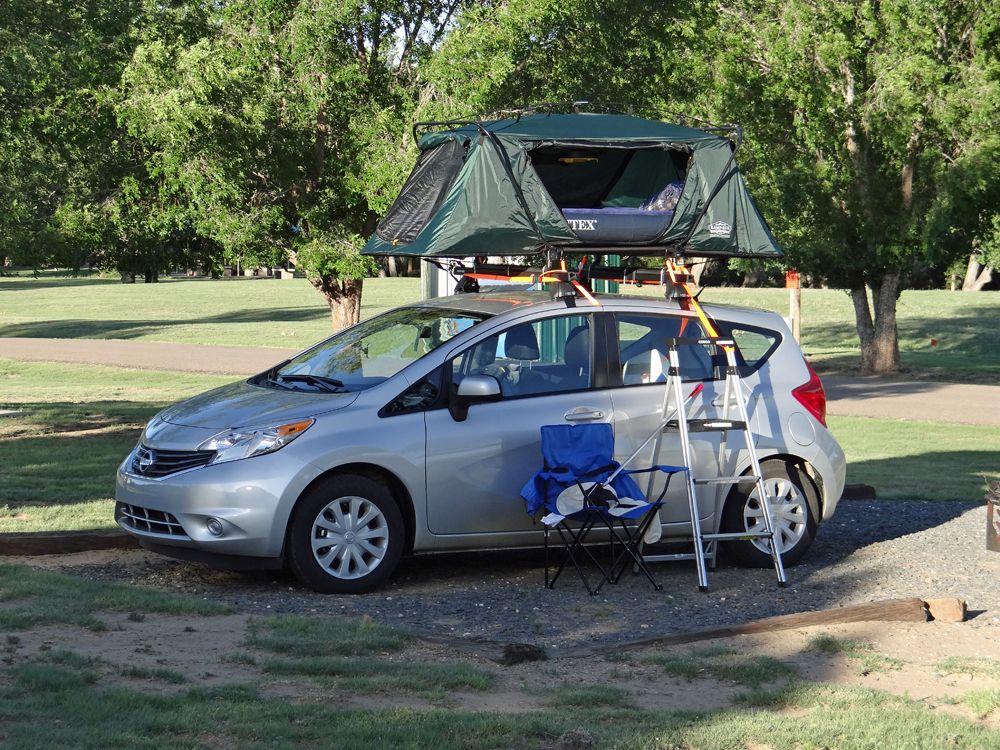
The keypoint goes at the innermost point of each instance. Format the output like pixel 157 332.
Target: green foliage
pixel 282 130
pixel 982 702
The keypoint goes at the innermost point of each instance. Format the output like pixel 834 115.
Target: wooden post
pixel 794 302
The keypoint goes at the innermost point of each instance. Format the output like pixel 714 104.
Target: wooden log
pixel 890 610
pixel 65 542
pixel 947 610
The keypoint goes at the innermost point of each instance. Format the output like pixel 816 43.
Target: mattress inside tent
pixel 613 225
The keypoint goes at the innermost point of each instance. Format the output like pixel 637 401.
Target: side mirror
pixel 473 389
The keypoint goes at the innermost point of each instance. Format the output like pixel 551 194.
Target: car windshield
pixel 375 350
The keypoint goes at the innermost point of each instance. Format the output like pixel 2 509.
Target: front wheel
pixel 793 499
pixel 345 535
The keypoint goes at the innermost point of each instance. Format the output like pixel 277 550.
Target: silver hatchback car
pixel 415 430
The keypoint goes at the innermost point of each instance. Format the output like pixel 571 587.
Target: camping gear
pixel 581 487
pixel 706 545
pixel 537 180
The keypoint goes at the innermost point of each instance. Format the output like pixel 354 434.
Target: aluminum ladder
pixel 706 545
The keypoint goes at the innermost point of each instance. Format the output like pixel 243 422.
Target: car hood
pixel 244 405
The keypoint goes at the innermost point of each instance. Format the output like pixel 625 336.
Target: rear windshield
pixel 373 351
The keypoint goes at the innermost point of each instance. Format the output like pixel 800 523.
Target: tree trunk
pixel 876 325
pixel 976 275
pixel 698 270
pixel 344 298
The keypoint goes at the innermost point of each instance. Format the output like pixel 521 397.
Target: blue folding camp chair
pixel 581 487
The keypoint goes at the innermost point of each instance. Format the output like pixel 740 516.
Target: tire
pixel 362 515
pixel 793 512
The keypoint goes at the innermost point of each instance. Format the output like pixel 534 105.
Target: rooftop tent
pixel 576 181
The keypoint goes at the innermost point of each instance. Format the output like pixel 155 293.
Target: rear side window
pixel 643 344
pixel 753 346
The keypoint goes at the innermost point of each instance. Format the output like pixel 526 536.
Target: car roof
pixel 502 300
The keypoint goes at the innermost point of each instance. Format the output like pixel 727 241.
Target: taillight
pixel 812 396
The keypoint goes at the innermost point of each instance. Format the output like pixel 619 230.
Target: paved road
pixel 847 396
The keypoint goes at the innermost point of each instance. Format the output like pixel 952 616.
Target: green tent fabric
pixel 506 187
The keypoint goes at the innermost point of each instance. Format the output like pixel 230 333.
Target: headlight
pixel 233 445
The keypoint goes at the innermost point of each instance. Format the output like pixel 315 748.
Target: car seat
pixel 577 357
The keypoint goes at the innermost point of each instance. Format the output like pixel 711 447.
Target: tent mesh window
pixel 425 189
pixel 607 177
pixel 613 194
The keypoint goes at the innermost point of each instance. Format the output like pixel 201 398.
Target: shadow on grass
pixel 49 282
pixel 56 471
pixel 63 453
pixel 965 346
pixel 128 329
pixel 935 475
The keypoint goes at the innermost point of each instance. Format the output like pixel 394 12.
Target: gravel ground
pixel 868 551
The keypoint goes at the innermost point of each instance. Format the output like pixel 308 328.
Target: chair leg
pixel 573 543
pixel 629 541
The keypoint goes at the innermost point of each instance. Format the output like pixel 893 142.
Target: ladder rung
pixel 668 558
pixel 704 341
pixel 726 480
pixel 707 425
pixel 736 535
pixel 714 425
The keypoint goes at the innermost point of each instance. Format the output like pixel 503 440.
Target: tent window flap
pixel 423 192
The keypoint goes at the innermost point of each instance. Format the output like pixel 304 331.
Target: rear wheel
pixel 793 499
pixel 345 535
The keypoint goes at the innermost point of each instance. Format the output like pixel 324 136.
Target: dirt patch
pixel 901 658
pixel 144 652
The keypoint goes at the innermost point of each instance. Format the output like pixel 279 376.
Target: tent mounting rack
pixel 673 275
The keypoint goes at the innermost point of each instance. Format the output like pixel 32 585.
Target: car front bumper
pixel 250 501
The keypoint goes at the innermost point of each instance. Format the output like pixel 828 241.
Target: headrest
pixel 521 343
pixel 578 347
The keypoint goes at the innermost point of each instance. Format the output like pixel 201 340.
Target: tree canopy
pixel 140 134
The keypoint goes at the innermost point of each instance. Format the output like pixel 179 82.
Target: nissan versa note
pixel 415 430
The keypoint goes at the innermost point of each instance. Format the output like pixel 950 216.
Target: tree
pixel 284 127
pixel 964 221
pixel 860 108
pixel 59 158
pixel 853 109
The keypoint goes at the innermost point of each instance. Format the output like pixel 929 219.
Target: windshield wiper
pixel 332 385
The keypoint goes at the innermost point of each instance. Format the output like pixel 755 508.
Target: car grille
pixel 155 463
pixel 148 520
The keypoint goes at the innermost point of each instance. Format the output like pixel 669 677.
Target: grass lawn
pixel 237 312
pixel 261 312
pixel 34 597
pixel 76 424
pixel 910 460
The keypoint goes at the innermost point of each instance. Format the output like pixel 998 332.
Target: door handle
pixel 583 416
